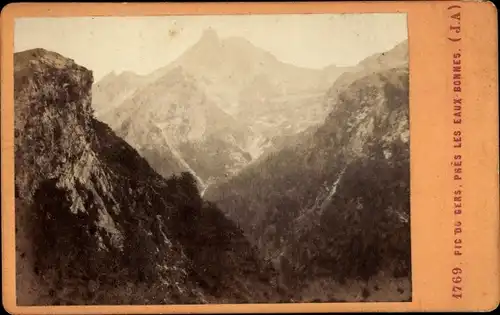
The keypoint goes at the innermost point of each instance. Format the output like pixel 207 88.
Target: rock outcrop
pixel 95 224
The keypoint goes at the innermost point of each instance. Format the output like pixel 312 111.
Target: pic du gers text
pixel 455 32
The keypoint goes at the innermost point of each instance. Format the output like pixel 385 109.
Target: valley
pixel 304 133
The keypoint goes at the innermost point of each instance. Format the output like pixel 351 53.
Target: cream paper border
pixel 431 137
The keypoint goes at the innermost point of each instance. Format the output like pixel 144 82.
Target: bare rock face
pixel 95 224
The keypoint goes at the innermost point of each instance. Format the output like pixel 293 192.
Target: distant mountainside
pixel 273 98
pixel 95 224
pixel 325 105
pixel 113 89
pixel 233 69
pixel 331 207
pixel 220 105
pixel 172 119
pixel 396 57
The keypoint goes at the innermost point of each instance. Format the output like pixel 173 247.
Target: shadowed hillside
pixel 332 207
pixel 95 224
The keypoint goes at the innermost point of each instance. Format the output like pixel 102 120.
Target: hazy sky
pixel 143 44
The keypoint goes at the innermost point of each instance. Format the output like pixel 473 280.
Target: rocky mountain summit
pixel 219 106
pixel 95 224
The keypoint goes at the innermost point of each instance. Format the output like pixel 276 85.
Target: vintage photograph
pixel 212 159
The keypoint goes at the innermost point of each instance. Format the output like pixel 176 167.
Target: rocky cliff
pixel 95 224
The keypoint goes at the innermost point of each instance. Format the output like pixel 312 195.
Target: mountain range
pixel 226 176
pixel 302 137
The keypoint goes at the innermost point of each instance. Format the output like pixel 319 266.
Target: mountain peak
pixel 209 34
pixel 41 64
pixel 109 76
pixel 43 58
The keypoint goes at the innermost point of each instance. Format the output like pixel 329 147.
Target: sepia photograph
pixel 212 159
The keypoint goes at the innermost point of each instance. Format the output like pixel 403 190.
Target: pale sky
pixel 144 44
